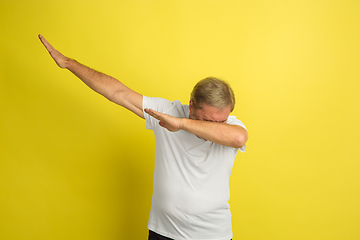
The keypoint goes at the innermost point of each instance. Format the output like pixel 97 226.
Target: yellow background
pixel 75 166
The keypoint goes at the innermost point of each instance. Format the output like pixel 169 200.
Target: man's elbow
pixel 240 140
pixel 116 96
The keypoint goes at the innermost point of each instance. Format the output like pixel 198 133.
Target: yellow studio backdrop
pixel 76 166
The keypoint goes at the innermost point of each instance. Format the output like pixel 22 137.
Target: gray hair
pixel 213 92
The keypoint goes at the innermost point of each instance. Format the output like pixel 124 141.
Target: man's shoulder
pixel 174 108
pixel 233 120
pixel 178 109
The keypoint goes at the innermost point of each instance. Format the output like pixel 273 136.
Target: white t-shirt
pixel 191 180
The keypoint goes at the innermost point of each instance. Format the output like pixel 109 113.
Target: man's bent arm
pixel 101 83
pixel 221 133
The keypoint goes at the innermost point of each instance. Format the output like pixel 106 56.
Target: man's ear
pixel 191 107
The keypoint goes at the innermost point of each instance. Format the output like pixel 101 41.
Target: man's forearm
pixel 220 133
pixel 107 86
pixel 97 81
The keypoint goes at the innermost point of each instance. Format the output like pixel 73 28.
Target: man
pixel 195 148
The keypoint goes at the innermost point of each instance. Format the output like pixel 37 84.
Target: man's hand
pixel 173 124
pixel 60 59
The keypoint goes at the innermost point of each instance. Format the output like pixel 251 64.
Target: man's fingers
pixel 43 41
pixel 166 121
pixel 46 44
pixel 153 113
pixel 56 55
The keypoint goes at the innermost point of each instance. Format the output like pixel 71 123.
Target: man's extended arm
pixel 101 83
pixel 220 133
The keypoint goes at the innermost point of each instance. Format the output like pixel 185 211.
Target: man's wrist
pixel 69 63
pixel 184 123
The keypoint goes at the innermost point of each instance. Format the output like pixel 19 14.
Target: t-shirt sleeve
pixel 157 104
pixel 234 121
